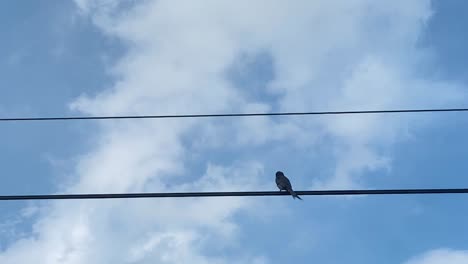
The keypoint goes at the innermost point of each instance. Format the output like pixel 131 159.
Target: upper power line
pixel 227 194
pixel 64 118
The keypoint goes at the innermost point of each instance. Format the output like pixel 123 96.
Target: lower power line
pixel 229 194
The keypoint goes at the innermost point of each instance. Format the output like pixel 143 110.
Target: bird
pixel 283 183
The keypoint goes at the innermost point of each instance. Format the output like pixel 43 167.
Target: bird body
pixel 283 183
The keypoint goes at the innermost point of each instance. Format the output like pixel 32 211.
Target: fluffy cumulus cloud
pixel 440 256
pixel 207 57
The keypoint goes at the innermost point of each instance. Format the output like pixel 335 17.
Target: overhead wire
pixel 172 116
pixel 230 194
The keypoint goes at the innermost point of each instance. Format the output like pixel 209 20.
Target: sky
pixel 122 57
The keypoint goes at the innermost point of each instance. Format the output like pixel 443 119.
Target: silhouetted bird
pixel 283 183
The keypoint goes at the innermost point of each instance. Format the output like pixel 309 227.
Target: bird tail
pixel 294 194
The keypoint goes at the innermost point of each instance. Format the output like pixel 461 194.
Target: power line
pixel 229 194
pixel 63 118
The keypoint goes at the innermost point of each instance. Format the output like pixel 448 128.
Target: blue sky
pixel 90 57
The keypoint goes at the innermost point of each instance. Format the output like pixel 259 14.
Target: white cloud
pixel 441 256
pixel 326 55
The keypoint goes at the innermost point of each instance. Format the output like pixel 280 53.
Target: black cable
pixel 231 194
pixel 231 115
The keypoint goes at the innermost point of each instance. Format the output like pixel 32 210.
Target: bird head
pixel 279 174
